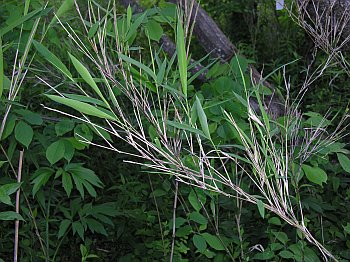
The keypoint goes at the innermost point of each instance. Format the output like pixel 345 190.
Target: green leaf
pixel 53 59
pixel 198 218
pixel 5 198
pixel 63 228
pixel 1 69
pixel 2 162
pixel 202 118
pixel 85 74
pixel 181 56
pixel 10 215
pixel 213 241
pixel 261 208
pixel 30 117
pixel 199 243
pixel 154 30
pixel 64 127
pixel 93 30
pixel 82 107
pixel 281 236
pixel 67 182
pixel 55 151
pixel 192 198
pixel 22 19
pixel 139 65
pixel 84 177
pixel 286 254
pixel 40 178
pixel 9 126
pixel 315 174
pixel 135 25
pixel 24 133
pixel 185 127
pixel 65 7
pixel 78 227
pixel 344 162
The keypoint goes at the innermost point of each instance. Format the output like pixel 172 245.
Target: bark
pixel 215 42
pixel 328 22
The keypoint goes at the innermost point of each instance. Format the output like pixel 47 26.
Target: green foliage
pixel 82 202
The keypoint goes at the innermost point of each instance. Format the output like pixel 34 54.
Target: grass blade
pixel 53 59
pixel 82 107
pixel 1 69
pixel 181 56
pixel 85 74
pixel 202 118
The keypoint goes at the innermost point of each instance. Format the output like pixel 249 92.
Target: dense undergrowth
pixel 112 150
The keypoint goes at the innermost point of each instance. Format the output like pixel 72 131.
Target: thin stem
pixel 19 176
pixel 174 218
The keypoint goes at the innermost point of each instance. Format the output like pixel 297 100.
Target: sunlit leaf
pixel 344 162
pixel 53 59
pixel 315 174
pixel 82 107
pixel 55 151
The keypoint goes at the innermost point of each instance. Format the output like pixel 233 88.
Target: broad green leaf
pixel 281 236
pixel 4 197
pixel 11 188
pixel 192 198
pixel 344 162
pixel 154 30
pixel 286 254
pixel 185 127
pixel 202 118
pixel 30 117
pixel 1 69
pixel 315 174
pixel 64 127
pixel 55 151
pixel 10 215
pixel 199 243
pixel 63 228
pixel 53 59
pixel 9 126
pixel 181 56
pixel 265 255
pixel 96 226
pixel 78 227
pixel 83 177
pixel 68 150
pixel 213 241
pixel 85 74
pixel 139 65
pixel 261 208
pixel 67 182
pixel 40 178
pixel 198 218
pixel 82 107
pixel 24 133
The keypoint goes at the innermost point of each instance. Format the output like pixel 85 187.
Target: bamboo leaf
pixel 139 65
pixel 82 107
pixel 53 59
pixel 181 56
pixel 186 128
pixel 22 19
pixel 1 69
pixel 202 118
pixel 64 8
pixel 85 74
